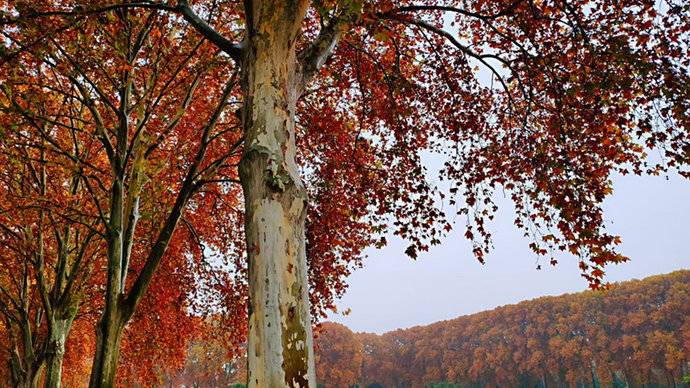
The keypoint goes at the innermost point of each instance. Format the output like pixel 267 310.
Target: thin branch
pixel 464 49
pixel 415 8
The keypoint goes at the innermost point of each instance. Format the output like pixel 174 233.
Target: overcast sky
pixel 652 215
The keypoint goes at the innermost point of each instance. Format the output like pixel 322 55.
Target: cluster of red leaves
pixel 542 101
pixel 585 81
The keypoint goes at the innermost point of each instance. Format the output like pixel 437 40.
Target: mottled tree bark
pixel 55 355
pixel 280 352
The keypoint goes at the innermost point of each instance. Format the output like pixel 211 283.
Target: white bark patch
pixel 266 339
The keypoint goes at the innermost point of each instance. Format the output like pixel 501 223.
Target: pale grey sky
pixel 651 214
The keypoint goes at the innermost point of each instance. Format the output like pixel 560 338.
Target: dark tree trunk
pixel 110 326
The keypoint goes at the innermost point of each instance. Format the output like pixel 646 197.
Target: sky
pixel 651 214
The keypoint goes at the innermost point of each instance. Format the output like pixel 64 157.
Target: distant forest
pixel 635 335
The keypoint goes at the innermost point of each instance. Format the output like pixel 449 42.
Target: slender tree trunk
pixel 280 352
pixel 25 367
pixel 110 326
pixel 29 379
pixel 34 378
pixel 15 368
pixel 59 330
pixel 625 378
pixel 108 339
pixel 23 381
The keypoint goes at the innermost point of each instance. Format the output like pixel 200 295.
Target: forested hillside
pixel 636 333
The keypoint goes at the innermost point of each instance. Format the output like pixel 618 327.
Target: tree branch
pixel 234 50
pixel 318 52
pixel 188 189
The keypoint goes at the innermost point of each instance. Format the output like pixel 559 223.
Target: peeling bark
pixel 280 352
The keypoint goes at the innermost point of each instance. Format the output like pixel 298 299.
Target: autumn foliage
pixel 124 126
pixel 631 335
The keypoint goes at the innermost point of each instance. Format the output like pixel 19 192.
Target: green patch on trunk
pixel 295 351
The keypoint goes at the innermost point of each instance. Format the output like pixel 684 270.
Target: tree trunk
pixel 280 352
pixel 58 336
pixel 110 326
pixel 29 379
pixel 108 339
pixel 25 369
pixel 34 378
pixel 625 378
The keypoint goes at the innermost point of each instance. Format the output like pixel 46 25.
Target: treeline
pixel 636 334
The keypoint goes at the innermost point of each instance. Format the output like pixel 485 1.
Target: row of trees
pixel 114 132
pixel 161 159
pixel 637 334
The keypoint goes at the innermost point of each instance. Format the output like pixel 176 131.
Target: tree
pixel 338 356
pixel 577 90
pixel 110 107
pixel 48 252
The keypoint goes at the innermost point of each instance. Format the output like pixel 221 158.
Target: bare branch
pixel 234 50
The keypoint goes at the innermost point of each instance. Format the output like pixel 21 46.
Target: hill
pixel 636 333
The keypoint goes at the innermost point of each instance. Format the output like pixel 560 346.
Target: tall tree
pixel 48 247
pixel 112 103
pixel 356 92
